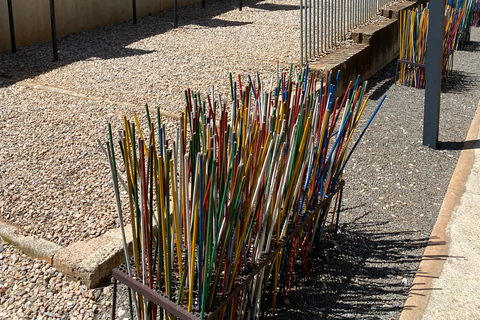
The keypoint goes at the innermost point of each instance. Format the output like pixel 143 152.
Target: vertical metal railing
pixel 325 23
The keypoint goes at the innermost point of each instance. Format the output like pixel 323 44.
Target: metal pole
pixel 114 303
pixel 301 32
pixel 306 33
pixel 134 11
pixel 328 22
pixel 433 81
pixel 310 29
pixel 318 27
pixel 54 30
pixel 12 29
pixel 175 16
pixel 314 4
pixel 240 5
pixel 322 23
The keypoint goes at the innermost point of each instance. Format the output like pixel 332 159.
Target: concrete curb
pixel 32 247
pixel 92 261
pixel 89 262
pixel 436 252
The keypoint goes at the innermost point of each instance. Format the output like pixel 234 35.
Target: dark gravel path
pixel 394 191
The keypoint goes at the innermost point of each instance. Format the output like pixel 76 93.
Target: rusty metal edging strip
pixel 153 296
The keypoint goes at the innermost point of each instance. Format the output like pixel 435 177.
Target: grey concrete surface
pixel 455 294
pixel 446 284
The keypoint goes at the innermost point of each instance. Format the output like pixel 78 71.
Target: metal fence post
pixel 433 81
pixel 301 32
pixel 54 30
pixel 12 28
pixel 134 11
pixel 175 16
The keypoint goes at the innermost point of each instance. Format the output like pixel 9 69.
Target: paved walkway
pixel 447 284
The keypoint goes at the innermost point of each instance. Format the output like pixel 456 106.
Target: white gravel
pixel 32 289
pixel 54 180
pixel 153 63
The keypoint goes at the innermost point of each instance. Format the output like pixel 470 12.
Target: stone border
pixel 32 247
pixel 89 262
pixel 375 46
pixel 436 252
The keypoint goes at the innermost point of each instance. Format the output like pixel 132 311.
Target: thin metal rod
pixel 338 212
pixel 322 22
pixel 307 30
pixel 12 28
pixel 301 32
pixel 310 28
pixel 318 27
pixel 54 30
pixel 329 43
pixel 114 297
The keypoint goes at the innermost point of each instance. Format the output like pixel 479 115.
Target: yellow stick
pixel 175 219
pixel 162 218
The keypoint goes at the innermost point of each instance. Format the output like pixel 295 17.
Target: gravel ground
pixel 152 63
pixel 31 289
pixel 48 143
pixel 54 179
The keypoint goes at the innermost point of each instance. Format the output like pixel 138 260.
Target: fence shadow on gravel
pixel 382 81
pixel 460 82
pixel 454 145
pixel 110 42
pixel 275 7
pixel 472 46
pixel 361 275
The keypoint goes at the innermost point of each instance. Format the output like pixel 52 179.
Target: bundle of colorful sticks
pixel 207 206
pixel 453 19
pixel 413 39
pixel 476 14
pixel 462 15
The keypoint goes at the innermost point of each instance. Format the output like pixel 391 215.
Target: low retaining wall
pixel 32 17
pixel 376 45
